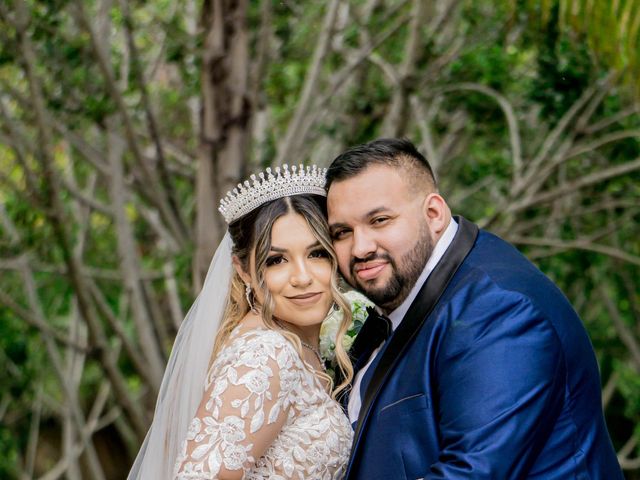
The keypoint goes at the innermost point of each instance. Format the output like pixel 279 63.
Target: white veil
pixel 183 382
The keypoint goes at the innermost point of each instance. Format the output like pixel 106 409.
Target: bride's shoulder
pixel 258 335
pixel 256 347
pixel 252 334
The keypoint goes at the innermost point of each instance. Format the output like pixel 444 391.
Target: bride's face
pixel 298 273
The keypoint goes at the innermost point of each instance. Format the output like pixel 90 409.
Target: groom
pixel 488 372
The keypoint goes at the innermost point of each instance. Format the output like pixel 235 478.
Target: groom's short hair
pixel 392 152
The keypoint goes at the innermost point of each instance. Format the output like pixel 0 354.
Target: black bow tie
pixel 376 329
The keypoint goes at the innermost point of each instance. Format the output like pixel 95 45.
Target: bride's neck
pixel 309 334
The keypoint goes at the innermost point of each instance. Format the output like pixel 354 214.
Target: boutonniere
pixel 331 324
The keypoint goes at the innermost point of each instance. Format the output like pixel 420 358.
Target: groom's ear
pixel 237 265
pixel 436 212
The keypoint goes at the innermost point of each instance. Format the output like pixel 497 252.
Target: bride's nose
pixel 301 276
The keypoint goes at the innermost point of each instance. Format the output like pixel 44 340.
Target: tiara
pixel 268 186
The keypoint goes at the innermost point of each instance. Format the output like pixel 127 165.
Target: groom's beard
pixel 404 273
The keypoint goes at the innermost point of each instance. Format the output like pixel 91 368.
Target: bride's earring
pixel 249 294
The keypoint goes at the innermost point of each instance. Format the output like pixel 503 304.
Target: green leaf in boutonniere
pixel 331 325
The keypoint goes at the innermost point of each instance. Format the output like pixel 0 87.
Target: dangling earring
pixel 249 294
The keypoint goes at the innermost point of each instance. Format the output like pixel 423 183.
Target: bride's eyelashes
pixel 274 260
pixel 278 258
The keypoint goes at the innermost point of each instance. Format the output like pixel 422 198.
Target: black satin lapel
pixel 420 309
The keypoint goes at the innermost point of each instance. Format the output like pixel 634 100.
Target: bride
pixel 245 394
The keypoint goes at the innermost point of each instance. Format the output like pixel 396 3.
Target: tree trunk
pixel 225 120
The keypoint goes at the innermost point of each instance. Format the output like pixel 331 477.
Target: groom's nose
pixel 363 244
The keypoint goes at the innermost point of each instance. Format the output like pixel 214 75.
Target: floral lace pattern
pixel 264 415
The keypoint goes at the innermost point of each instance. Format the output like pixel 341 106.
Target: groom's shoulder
pixel 498 265
pixel 498 258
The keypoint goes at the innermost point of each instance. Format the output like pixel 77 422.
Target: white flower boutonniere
pixel 331 324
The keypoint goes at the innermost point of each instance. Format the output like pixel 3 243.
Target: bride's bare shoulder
pixel 251 321
pixel 252 325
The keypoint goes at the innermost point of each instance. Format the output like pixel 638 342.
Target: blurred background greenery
pixel 123 122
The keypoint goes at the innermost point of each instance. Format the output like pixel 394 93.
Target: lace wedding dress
pixel 264 413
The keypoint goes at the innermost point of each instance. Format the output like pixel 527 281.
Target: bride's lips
pixel 306 299
pixel 370 270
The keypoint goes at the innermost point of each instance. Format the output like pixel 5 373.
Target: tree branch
pixel 510 116
pixel 151 187
pixel 152 123
pixel 36 323
pixel 338 80
pixel 624 332
pixel 609 389
pixel 551 139
pixel 572 187
pixel 129 266
pixel 578 245
pixel 394 122
pixel 292 138
pixel 610 120
pixel 60 224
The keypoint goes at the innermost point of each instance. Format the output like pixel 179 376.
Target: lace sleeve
pixel 245 404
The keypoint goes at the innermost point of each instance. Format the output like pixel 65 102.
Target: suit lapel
pixel 420 309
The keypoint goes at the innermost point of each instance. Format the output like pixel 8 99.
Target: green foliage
pixel 9 457
pixel 611 30
pixel 19 375
pixel 564 71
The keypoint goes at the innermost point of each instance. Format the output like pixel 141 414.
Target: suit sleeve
pixel 500 377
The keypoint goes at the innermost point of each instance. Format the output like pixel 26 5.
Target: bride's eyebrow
pixel 284 250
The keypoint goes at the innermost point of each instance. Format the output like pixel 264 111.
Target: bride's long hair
pixel 252 232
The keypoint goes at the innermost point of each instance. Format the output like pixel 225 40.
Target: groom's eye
pixel 319 253
pixel 379 220
pixel 339 234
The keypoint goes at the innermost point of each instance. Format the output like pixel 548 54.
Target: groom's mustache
pixel 369 258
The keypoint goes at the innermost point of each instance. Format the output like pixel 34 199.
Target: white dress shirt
pixel 355 398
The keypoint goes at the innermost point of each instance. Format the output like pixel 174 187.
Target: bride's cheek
pixel 323 274
pixel 274 279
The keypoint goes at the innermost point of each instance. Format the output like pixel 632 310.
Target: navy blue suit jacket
pixel 490 375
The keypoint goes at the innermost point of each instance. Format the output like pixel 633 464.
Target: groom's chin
pixel 380 296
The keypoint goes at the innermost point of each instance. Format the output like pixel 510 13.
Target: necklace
pixel 315 350
pixel 317 353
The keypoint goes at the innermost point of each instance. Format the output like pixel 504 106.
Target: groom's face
pixel 380 233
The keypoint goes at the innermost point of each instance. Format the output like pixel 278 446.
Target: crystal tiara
pixel 269 186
